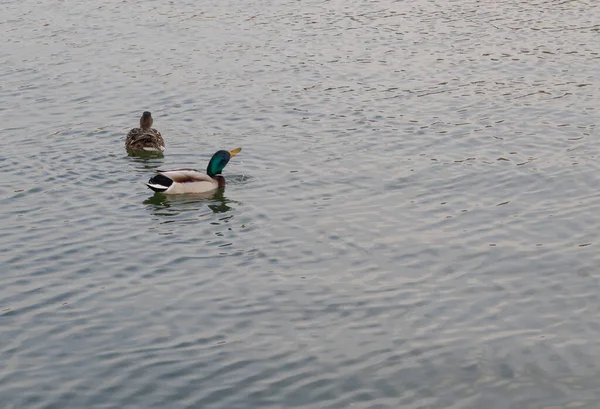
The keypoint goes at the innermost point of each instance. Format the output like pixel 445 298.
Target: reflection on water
pixel 144 154
pixel 147 162
pixel 174 205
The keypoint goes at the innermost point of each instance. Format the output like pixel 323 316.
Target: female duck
pixel 177 181
pixel 145 138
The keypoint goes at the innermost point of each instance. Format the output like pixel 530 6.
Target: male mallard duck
pixel 145 138
pixel 176 181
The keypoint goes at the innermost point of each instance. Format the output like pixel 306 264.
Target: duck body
pixel 178 181
pixel 185 180
pixel 145 138
pixel 139 139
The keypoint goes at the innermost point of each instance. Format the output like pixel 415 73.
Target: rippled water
pixel 411 223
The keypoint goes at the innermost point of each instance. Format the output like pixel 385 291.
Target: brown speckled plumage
pixel 145 138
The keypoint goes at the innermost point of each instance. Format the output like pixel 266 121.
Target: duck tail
pixel 159 183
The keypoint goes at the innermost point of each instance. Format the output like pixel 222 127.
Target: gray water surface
pixel 412 221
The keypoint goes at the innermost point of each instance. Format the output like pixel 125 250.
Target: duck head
pixel 146 120
pixel 219 160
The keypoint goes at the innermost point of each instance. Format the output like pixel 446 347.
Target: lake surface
pixel 412 221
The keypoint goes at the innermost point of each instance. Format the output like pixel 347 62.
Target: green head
pixel 219 160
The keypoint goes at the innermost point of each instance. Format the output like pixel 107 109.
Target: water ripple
pixel 410 222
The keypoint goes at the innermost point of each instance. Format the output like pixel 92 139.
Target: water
pixel 411 223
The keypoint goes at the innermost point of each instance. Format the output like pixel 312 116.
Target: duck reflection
pixel 144 154
pixel 146 161
pixel 173 205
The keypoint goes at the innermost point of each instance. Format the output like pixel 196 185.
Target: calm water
pixel 412 221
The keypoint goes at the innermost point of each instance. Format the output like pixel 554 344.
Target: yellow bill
pixel 235 152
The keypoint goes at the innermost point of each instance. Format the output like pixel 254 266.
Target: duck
pixel 145 138
pixel 178 181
